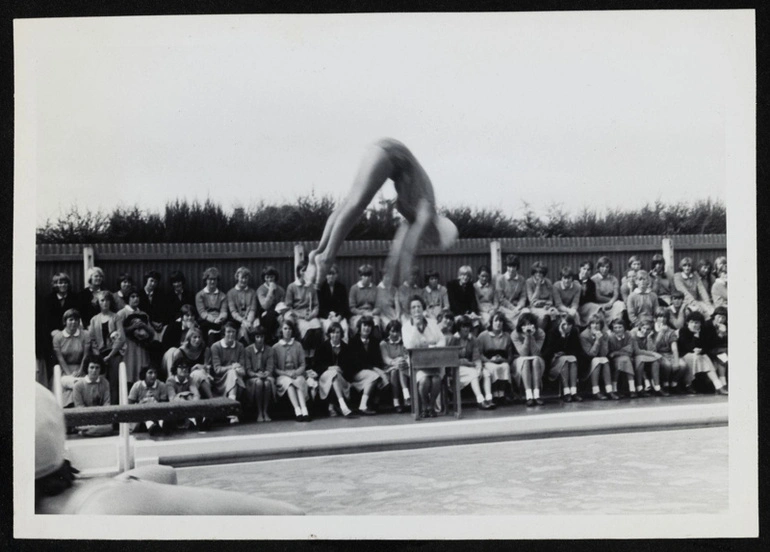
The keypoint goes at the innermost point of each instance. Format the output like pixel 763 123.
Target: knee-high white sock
pixel 364 401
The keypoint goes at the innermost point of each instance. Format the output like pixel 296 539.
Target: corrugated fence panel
pixel 192 259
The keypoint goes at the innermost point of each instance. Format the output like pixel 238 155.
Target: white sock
pixel 396 402
pixel 479 398
pixel 608 388
pixel 615 387
pixel 528 394
pixel 646 384
pixel 297 411
pixel 656 387
pixel 488 397
pixel 723 379
pixel 149 424
pixel 595 389
pixel 193 421
pixel 407 396
pixel 303 410
pixel 566 391
pixel 573 390
pixel 718 388
pixel 631 387
pixel 364 401
pixel 536 392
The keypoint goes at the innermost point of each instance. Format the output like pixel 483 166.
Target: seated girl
pixel 195 354
pixel 333 303
pixel 177 296
pixel 211 304
pixel 395 361
pixel 269 294
pixel 104 334
pixel 694 345
pixel 462 295
pixel 421 331
pixel 621 350
pixel 608 290
pixel 290 371
pixel 486 295
pixel 641 301
pixel 93 390
pixel 242 304
pixel 88 299
pixel 647 361
pixel 148 390
pixel 594 340
pixel 227 367
pixel 136 336
pixel 628 281
pixel 562 350
pixel 302 301
pixel 332 362
pixel 588 305
pixel 688 282
pixel 677 310
pixel 435 295
pixel 496 350
pixel 181 387
pixel 716 332
pixel 176 331
pixel 408 289
pixel 540 296
pixel 387 303
pixel 566 294
pixel 528 341
pixel 660 283
pixel 125 285
pixel 512 292
pixel 70 346
pixel 362 299
pixel 260 367
pixel 470 364
pixel 663 338
pixel 706 273
pixel 365 372
pixel 719 288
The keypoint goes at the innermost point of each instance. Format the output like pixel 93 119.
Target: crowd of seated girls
pixel 342 351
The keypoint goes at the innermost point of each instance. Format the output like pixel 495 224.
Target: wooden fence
pixel 193 258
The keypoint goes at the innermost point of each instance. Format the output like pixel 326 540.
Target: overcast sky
pixel 595 109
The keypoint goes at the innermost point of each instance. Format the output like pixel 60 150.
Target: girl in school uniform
pixel 694 344
pixel 677 310
pixel 197 356
pixel 332 361
pixel 70 347
pixel 387 303
pixel 365 372
pixel 628 281
pixel 706 273
pixel 608 290
pixel 647 361
pixel 302 301
pixel 125 285
pixel 528 340
pixel 540 296
pixel 211 305
pixel 621 350
pixel 242 305
pixel 363 298
pixel 435 295
pixel 641 301
pixel 566 294
pixel 587 306
pixel 470 363
pixel 105 339
pixel 663 338
pixel 688 282
pixel 512 290
pixel 595 342
pixel 260 367
pixel 290 371
pixel 716 330
pixel 136 335
pixel 719 288
pixel 562 350
pixel 395 362
pixel 496 349
pixel 88 298
pixel 269 295
pixel 486 295
pixel 660 283
pixel 407 290
pixel 333 303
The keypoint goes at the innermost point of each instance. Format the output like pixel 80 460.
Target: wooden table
pixel 435 357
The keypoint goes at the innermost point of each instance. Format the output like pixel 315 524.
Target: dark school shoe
pixel 539 401
pixel 530 402
pixel 599 397
pixel 577 398
pixel 614 396
pixel 367 412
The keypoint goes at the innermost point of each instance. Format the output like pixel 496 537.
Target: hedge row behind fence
pixel 192 259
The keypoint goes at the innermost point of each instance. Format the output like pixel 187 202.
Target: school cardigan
pixel 512 290
pixel 333 300
pixel 529 344
pixel 462 298
pixel 326 356
pixel 87 392
pixel 568 344
pixel 362 356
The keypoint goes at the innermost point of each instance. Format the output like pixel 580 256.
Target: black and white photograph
pixel 385 275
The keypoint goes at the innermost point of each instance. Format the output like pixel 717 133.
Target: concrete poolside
pixel 250 441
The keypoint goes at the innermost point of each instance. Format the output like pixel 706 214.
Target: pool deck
pixel 251 441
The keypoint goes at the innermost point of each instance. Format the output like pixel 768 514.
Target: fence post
pixel 496 257
pixel 88 262
pixel 668 255
pixel 299 257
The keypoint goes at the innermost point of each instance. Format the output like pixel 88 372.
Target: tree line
pixel 183 221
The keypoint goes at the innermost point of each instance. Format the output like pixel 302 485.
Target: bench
pixel 173 410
